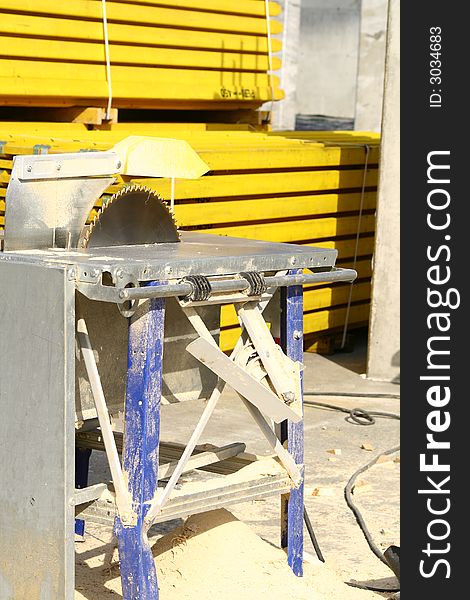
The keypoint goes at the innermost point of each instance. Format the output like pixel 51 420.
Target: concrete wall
pixel 384 333
pixel 328 57
pixel 370 79
pixel 284 112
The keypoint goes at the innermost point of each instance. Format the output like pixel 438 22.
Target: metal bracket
pixel 49 197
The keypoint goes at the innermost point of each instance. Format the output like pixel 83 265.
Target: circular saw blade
pixel 133 216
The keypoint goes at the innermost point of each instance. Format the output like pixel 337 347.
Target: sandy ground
pixel 224 558
pixel 212 554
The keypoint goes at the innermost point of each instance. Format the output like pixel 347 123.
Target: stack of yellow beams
pixel 261 186
pixel 163 53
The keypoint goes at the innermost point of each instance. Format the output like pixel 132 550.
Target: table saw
pixel 104 320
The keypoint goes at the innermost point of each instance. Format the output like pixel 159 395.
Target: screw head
pixel 289 397
pixel 58 166
pixel 29 168
pixel 168 270
pixel 293 260
pixel 118 164
pixel 120 273
pixel 297 335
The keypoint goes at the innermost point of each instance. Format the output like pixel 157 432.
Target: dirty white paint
pixel 370 77
pixel 328 56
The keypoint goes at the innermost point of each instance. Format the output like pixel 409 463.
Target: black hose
pixel 357 513
pixel 365 418
pixel 356 415
pixel 354 394
pixel 312 535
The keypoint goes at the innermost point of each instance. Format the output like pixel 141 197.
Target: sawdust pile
pixel 212 555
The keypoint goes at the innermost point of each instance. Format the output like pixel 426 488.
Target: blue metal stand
pixel 140 453
pixel 292 505
pixel 82 465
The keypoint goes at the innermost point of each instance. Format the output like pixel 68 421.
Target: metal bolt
pixel 118 164
pixel 289 397
pixel 29 168
pixel 71 273
pixel 168 270
pixel 297 335
pixel 293 260
pixel 120 273
pixel 72 502
pixel 95 272
pixel 123 294
pixel 58 166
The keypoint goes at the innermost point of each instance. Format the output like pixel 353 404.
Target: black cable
pixel 312 535
pixel 360 417
pixel 357 415
pixel 354 394
pixel 357 513
pixel 371 588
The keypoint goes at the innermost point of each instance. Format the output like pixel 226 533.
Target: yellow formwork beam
pixel 241 7
pixel 347 247
pixel 221 150
pixel 263 183
pixel 158 77
pixel 294 231
pixel 234 211
pixel 68 51
pixel 146 15
pixel 230 156
pixel 313 300
pixel 52 27
pixel 335 136
pixel 317 321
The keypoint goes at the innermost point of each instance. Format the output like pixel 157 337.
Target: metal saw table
pixel 78 374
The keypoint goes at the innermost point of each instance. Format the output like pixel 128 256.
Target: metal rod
pixel 238 285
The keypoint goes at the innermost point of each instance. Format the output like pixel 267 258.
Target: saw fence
pixel 310 188
pixel 167 54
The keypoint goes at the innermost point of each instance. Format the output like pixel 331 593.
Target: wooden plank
pixel 347 247
pixel 241 381
pixel 241 7
pixel 202 459
pixel 262 183
pixel 88 494
pixel 171 451
pixel 34 71
pixel 221 151
pixel 35 25
pixel 313 322
pixel 211 494
pixel 234 211
pixel 320 228
pixel 313 300
pixel 147 15
pixel 69 51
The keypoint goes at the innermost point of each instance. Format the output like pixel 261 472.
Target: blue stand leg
pixel 140 453
pixel 82 464
pixel 292 505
